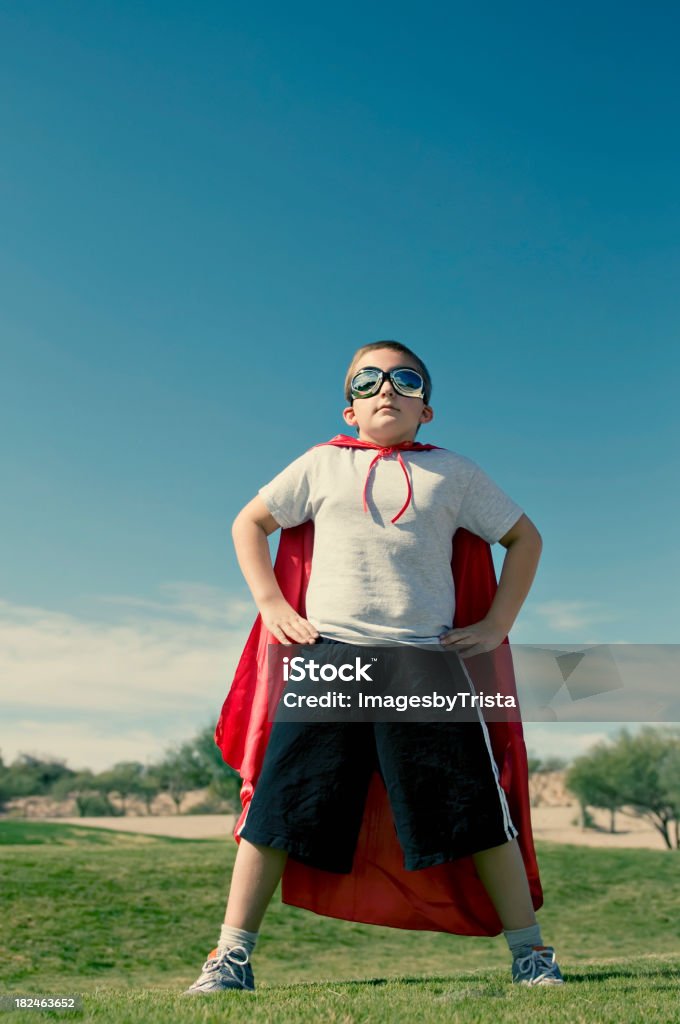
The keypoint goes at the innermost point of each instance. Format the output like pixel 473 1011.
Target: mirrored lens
pixel 364 382
pixel 407 381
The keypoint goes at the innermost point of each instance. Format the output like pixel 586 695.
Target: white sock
pixel 522 940
pixel 230 936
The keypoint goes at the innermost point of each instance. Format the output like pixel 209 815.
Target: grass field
pixel 127 920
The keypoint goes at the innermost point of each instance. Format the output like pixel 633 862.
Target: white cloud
pixel 560 741
pixel 176 663
pixel 569 615
pixel 90 744
pixel 96 691
pixel 549 621
pixel 197 600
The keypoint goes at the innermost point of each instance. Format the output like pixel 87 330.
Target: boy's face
pixel 386 418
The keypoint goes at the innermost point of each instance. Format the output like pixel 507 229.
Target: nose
pixel 387 388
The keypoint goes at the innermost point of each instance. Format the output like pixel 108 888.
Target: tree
pixel 224 782
pixel 86 789
pixel 149 786
pixel 595 778
pixel 540 771
pixel 644 777
pixel 669 777
pixel 180 772
pixel 5 789
pixel 124 779
pixel 198 764
pixel 29 775
pixel 638 773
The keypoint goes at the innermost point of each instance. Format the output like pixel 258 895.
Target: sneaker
pixel 537 968
pixel 222 971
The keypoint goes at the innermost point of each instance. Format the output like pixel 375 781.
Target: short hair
pixel 396 346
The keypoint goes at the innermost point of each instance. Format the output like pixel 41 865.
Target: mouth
pixel 388 408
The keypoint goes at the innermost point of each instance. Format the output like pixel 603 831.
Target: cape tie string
pixel 344 441
pixel 382 452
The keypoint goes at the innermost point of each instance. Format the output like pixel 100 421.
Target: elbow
pixel 525 533
pixel 536 540
pixel 237 525
pixel 244 525
pixel 530 531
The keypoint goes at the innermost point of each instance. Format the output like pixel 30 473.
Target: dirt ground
pixel 179 826
pixel 555 817
pixel 557 824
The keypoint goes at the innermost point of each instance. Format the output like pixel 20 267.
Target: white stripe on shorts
pixel 510 830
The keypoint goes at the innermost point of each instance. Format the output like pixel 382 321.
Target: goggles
pixel 404 380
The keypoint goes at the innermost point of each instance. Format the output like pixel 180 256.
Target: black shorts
pixel 441 781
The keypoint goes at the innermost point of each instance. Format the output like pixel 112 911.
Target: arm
pixel 523 544
pixel 251 528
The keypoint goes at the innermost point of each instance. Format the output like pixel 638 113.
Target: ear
pixel 349 416
pixel 427 414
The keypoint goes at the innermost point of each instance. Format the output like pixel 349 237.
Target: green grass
pixel 127 920
pixel 36 833
pixel 633 990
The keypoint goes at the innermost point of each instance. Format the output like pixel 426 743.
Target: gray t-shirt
pixel 373 580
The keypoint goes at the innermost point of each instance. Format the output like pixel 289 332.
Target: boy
pixel 384 513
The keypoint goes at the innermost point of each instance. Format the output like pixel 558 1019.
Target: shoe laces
pixel 235 965
pixel 541 962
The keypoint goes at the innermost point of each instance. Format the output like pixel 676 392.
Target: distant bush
pixel 29 775
pixel 211 805
pixel 97 805
pixel 196 764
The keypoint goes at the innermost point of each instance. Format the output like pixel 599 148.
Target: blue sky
pixel 206 208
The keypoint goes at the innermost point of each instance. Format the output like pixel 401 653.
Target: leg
pixel 501 870
pixel 257 872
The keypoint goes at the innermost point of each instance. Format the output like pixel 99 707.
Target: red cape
pixel 449 897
